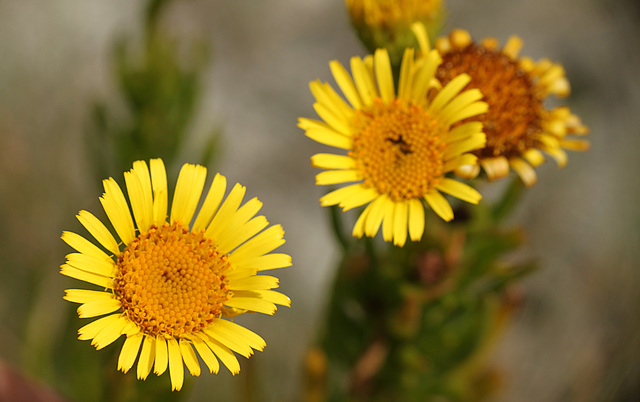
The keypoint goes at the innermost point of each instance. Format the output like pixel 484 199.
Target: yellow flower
pixel 167 284
pixel 387 23
pixel 400 146
pixel 517 125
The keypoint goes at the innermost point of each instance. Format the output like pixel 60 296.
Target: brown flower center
pixel 514 117
pixel 398 148
pixel 172 281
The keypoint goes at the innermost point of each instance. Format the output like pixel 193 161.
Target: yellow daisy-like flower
pixel 400 146
pixel 387 23
pixel 169 283
pixel 518 126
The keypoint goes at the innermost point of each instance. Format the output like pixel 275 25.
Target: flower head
pixel 169 284
pixel 399 146
pixel 387 23
pixel 517 125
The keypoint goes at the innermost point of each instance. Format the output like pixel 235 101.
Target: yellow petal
pixel 400 223
pixel 388 221
pixel 84 295
pixel 207 355
pixel 160 191
pixel 420 32
pixel 189 357
pixel 102 281
pixel 423 77
pixel 268 261
pixel 459 190
pixel 109 333
pixel 251 304
pixel 91 264
pixel 225 355
pixel 258 282
pixel 406 75
pixel 330 137
pixel 162 356
pixel 416 219
pixel 512 47
pixel 262 243
pixel 364 81
pixel 98 230
pixel 138 184
pixel 524 170
pixel 227 339
pixel 464 131
pixel 476 141
pixel 92 329
pixel 471 110
pixel 534 157
pixel 233 222
pixel 374 220
pixel 117 209
pixel 341 194
pixel 384 76
pixel 345 82
pixel 460 103
pixel 98 307
pixel 249 337
pixel 461 161
pixel 337 122
pixel 495 168
pixel 359 227
pixel 187 194
pixel 364 196
pixel 242 234
pixel 338 176
pixel 84 246
pixel 449 92
pixel 147 357
pixel 326 96
pixel 439 205
pixel 176 369
pixel 332 161
pixel 211 203
pixel 129 352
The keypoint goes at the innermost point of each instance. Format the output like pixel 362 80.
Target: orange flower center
pixel 398 149
pixel 172 281
pixel 515 108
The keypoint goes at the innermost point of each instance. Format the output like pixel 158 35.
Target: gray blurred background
pixel 577 336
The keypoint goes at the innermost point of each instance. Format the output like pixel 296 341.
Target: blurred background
pixel 577 334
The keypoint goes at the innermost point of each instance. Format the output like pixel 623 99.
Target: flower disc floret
pixel 172 282
pixel 399 149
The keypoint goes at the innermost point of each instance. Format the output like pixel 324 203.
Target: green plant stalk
pixel 420 322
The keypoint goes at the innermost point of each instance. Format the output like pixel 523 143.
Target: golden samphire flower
pixel 399 146
pixel 517 125
pixel 387 23
pixel 168 285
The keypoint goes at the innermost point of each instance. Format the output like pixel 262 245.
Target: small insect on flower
pixel 170 286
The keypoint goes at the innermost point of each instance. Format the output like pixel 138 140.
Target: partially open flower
pixel 518 125
pixel 387 23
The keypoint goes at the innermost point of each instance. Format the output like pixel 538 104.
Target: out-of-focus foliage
pixel 160 79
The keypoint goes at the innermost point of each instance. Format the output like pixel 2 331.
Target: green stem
pixel 337 227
